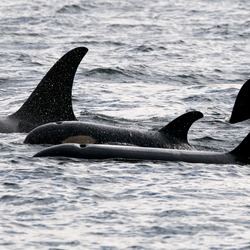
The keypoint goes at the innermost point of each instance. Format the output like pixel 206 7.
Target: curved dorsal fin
pixel 241 110
pixel 51 100
pixel 179 127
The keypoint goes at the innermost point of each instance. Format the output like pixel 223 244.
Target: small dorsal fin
pixel 241 110
pixel 179 127
pixel 52 98
pixel 243 150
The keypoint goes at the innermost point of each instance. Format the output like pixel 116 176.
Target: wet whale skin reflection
pixel 173 135
pixel 51 100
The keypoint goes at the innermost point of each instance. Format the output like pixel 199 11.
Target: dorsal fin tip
pixel 179 127
pixel 52 98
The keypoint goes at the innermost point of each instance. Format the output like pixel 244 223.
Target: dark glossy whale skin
pixel 240 155
pixel 241 106
pixel 173 135
pixel 52 98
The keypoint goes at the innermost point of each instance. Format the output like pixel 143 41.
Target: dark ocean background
pixel 148 62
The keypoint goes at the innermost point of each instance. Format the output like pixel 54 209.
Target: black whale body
pixel 51 100
pixel 240 155
pixel 241 106
pixel 173 135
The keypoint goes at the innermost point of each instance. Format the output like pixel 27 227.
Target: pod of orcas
pixel 48 115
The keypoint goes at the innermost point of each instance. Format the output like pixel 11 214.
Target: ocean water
pixel 148 62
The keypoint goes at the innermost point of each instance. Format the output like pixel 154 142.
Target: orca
pixel 241 106
pixel 240 155
pixel 173 135
pixel 51 100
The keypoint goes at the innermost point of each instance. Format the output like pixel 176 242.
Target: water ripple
pixel 148 62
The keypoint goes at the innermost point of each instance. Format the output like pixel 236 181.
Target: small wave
pixel 70 9
pixel 4 79
pixel 97 43
pixel 208 143
pixel 97 117
pixel 144 48
pixel 108 72
pixel 196 98
pixel 104 118
pixel 11 185
pixel 209 139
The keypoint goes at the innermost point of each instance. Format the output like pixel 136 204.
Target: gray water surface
pixel 148 62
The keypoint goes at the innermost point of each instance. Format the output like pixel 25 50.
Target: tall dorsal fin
pixel 241 109
pixel 179 127
pixel 51 100
pixel 243 150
